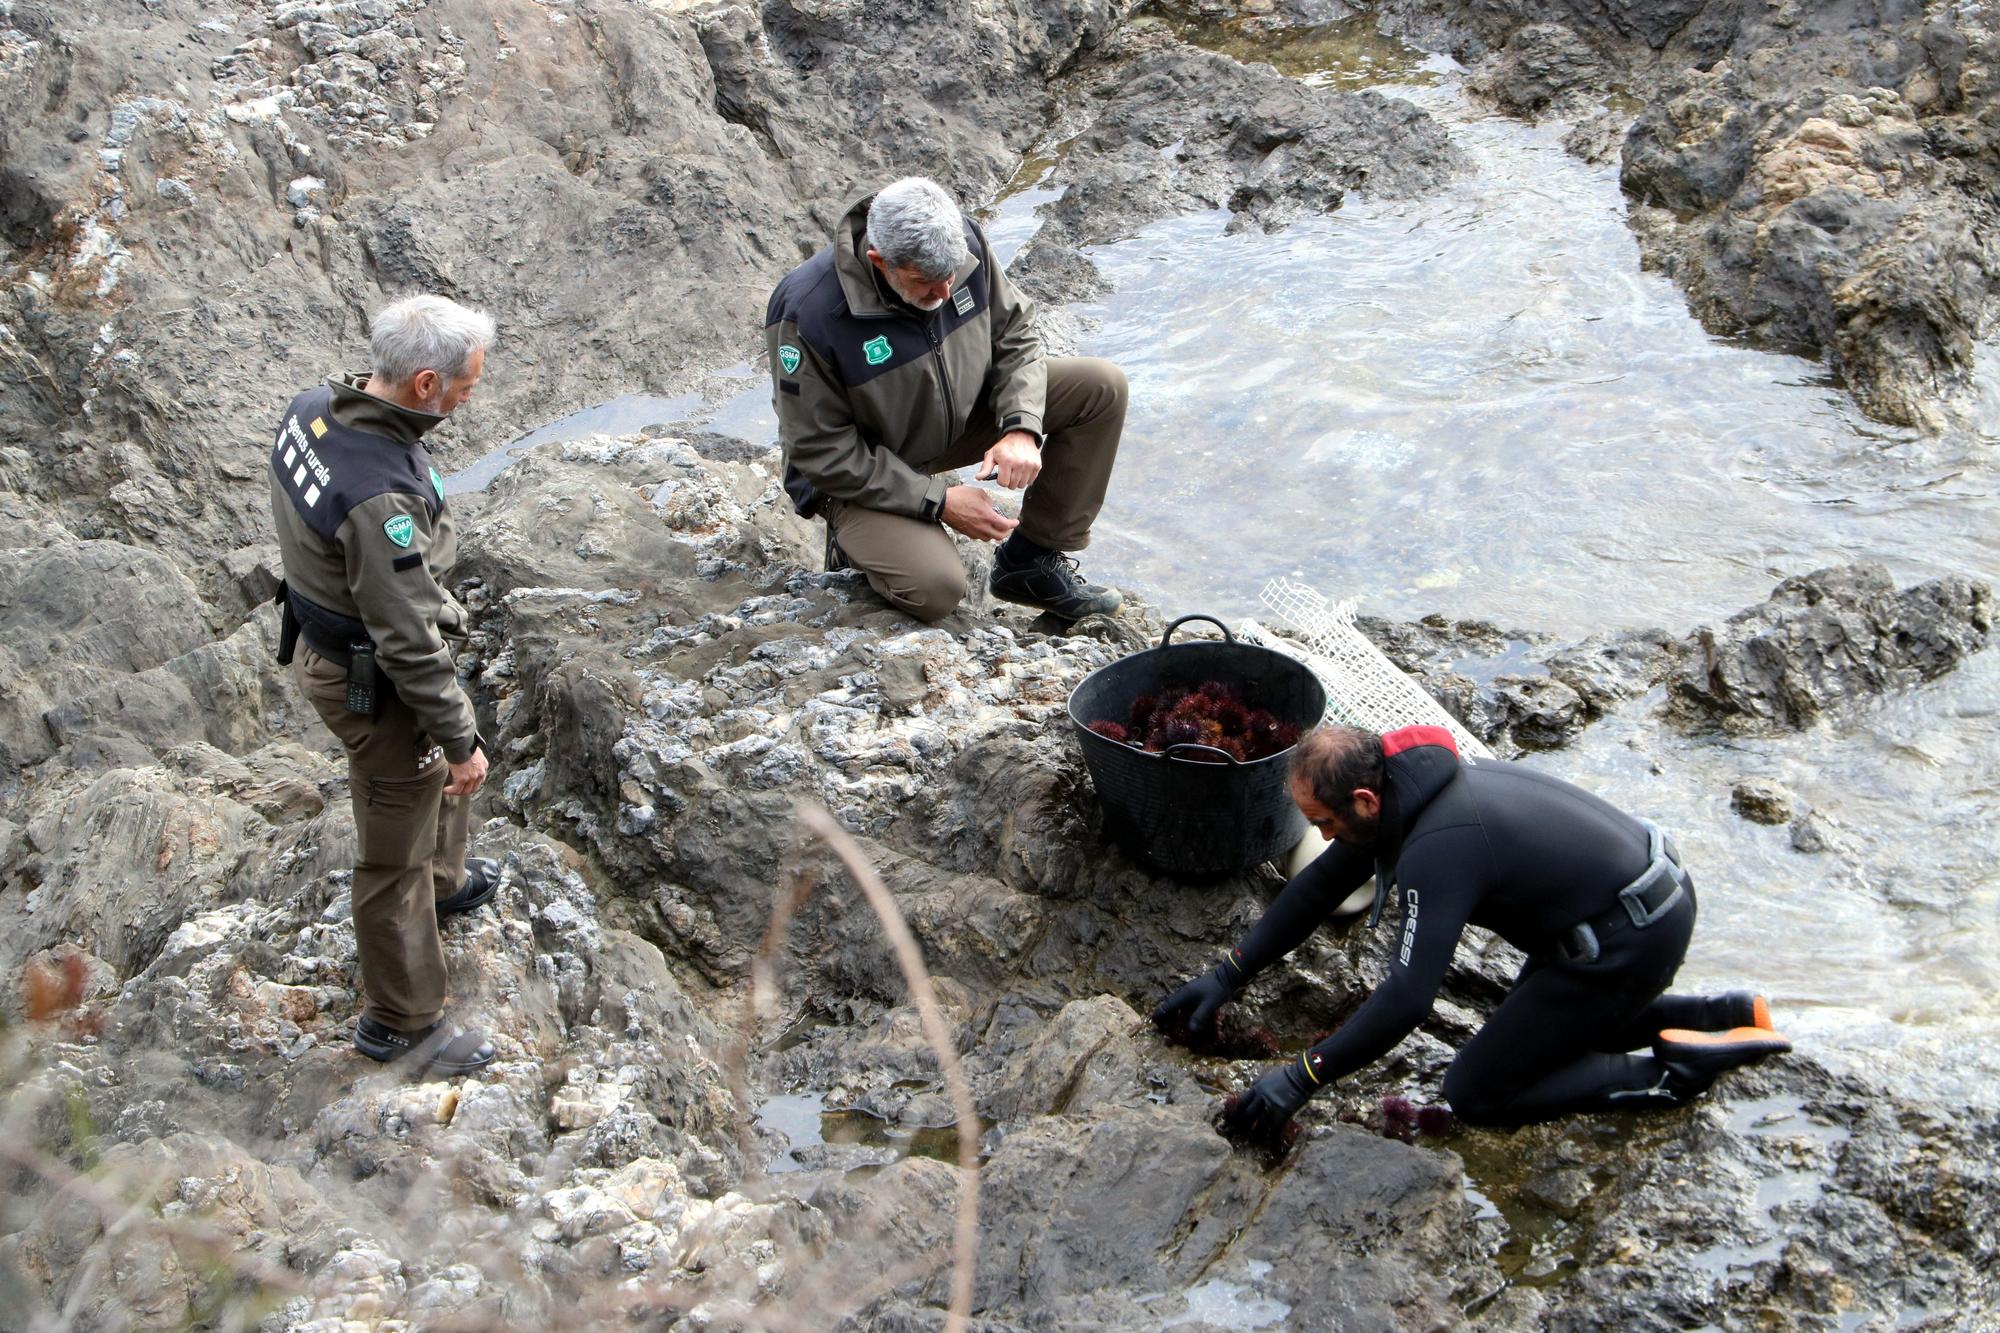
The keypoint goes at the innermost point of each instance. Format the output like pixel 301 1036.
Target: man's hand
pixel 1194 1012
pixel 971 511
pixel 466 778
pixel 1013 459
pixel 1260 1113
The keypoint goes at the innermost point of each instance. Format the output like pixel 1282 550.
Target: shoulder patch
pixel 876 350
pixel 399 528
pixel 437 483
pixel 788 357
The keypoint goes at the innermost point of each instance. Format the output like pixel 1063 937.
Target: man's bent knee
pixel 928 595
pixel 1104 384
pixel 1473 1104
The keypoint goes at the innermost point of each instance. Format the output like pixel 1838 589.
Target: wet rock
pixel 664 672
pixel 1072 1200
pixel 1813 833
pixel 1179 129
pixel 1826 196
pixel 1762 801
pixel 1086 1057
pixel 1606 670
pixel 1598 137
pixel 1544 69
pixel 1563 1191
pixel 1536 712
pixel 1822 639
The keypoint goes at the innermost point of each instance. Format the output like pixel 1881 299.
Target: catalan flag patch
pixel 319 428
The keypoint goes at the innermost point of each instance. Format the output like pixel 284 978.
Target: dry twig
pixel 909 958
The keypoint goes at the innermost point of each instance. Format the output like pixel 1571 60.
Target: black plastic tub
pixel 1193 811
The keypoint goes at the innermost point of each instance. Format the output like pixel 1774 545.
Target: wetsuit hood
pixel 1417 764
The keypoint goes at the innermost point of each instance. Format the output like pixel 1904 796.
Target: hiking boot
pixel 836 559
pixel 1051 583
pixel 482 880
pixel 439 1049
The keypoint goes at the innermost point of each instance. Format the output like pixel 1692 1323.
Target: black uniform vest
pixel 327 468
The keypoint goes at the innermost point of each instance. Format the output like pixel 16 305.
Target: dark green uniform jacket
pixel 868 389
pixel 366 534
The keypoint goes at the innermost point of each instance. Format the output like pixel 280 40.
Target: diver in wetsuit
pixel 1596 898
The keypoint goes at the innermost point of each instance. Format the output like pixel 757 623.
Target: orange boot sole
pixel 1751 1043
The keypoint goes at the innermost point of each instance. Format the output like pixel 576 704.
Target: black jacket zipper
pixel 944 376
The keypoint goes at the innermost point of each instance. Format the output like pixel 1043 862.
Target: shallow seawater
pixel 1347 55
pixel 1477 403
pixel 1882 954
pixel 804 1122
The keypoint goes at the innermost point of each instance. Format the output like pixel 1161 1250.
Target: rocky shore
pixel 196 209
pixel 664 676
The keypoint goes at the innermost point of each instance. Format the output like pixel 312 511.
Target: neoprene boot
pixel 1694 1060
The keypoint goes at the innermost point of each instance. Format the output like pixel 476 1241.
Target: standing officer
pixel 1596 898
pixel 901 352
pixel 367 541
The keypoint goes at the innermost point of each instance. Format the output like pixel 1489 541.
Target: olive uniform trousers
pixel 410 846
pixel 915 565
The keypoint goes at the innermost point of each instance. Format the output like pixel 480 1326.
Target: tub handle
pixel 1173 751
pixel 1184 620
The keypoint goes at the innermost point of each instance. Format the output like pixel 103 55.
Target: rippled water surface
pixel 1477 403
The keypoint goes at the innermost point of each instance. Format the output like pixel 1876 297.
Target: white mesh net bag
pixel 1363 688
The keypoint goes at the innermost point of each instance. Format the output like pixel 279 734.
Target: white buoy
pixel 1307 851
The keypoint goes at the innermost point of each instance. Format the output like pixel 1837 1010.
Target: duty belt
pixel 1642 902
pixel 328 633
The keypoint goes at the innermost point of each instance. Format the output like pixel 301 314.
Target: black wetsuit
pixel 1526 856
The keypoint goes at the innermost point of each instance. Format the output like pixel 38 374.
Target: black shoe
pixel 482 880
pixel 1052 583
pixel 438 1049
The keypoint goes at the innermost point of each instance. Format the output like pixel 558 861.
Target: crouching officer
pixel 1596 898
pixel 367 540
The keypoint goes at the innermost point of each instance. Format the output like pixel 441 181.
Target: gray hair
pixel 913 223
pixel 426 333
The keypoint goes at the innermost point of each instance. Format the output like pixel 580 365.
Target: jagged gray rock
pixel 1544 69
pixel 1822 639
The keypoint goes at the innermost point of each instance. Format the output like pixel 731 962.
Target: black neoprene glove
pixel 1259 1113
pixel 1194 1012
